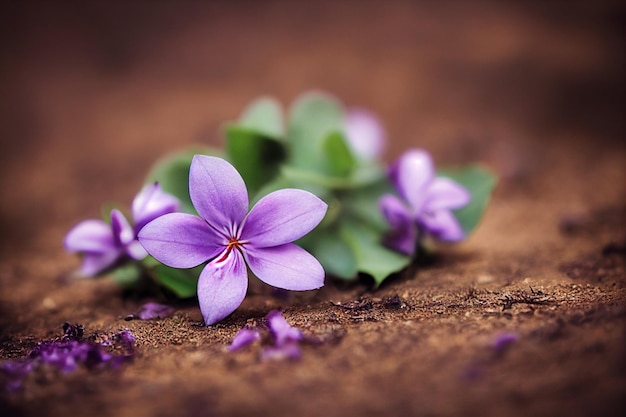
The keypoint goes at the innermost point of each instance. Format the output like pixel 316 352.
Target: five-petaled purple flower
pixel 103 244
pixel 427 206
pixel 229 237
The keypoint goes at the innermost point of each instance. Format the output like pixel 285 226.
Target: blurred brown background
pixel 93 92
pixel 97 90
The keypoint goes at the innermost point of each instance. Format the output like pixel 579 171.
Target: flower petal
pixel 244 337
pixel 443 225
pixel 90 236
pixel 222 287
pixel 282 217
pixel 281 330
pixel 94 263
pixel 365 134
pixel 150 203
pixel 287 351
pixel 411 174
pixel 218 193
pixel 287 266
pixel 394 211
pixel 444 193
pixel 136 250
pixel 122 232
pixel 181 240
pixel 403 234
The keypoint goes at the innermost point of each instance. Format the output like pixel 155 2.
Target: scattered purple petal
pixel 280 330
pixel 286 351
pixel 67 354
pixel 154 310
pixel 504 340
pixel 244 337
pixel 281 340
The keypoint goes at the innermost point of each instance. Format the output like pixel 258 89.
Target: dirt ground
pixel 94 92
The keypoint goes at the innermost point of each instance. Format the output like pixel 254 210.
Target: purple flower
pixel 103 244
pixel 229 238
pixel 365 134
pixel 426 205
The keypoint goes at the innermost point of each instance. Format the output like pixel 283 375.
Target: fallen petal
pixel 287 351
pixel 153 310
pixel 282 332
pixel 244 337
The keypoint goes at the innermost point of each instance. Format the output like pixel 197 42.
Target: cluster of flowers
pixel 221 235
pixel 67 354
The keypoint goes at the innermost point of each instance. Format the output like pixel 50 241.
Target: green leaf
pixel 172 172
pixel 127 275
pixel 256 157
pixel 480 182
pixel 312 117
pixel 182 282
pixel 340 159
pixel 265 117
pixel 335 254
pixel 362 203
pixel 371 256
pixel 358 179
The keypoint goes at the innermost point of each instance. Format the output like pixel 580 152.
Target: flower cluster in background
pixel 314 175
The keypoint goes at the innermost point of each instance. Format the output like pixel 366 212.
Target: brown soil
pixel 94 93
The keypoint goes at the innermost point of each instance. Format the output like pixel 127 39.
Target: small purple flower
pixel 103 244
pixel 365 134
pixel 230 238
pixel 426 205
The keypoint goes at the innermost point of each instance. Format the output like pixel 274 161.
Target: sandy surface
pixel 94 93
